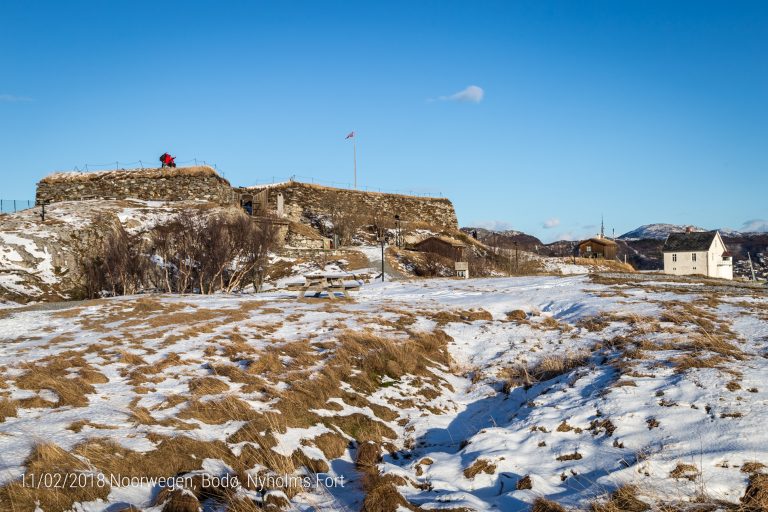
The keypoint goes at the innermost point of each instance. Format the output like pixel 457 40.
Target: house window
pixel 674 257
pixel 589 248
pixel 693 257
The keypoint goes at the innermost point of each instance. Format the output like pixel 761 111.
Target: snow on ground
pixel 632 412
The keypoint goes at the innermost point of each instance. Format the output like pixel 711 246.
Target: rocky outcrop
pixel 43 261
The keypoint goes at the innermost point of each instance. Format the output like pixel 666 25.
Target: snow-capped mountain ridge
pixel 660 231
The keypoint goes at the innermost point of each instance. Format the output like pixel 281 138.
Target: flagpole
pixel 354 157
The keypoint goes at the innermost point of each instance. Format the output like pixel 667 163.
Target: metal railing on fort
pixel 141 164
pixel 348 185
pixel 15 205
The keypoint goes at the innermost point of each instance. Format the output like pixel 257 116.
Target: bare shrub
pixel 195 252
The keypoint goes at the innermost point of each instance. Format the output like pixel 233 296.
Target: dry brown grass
pixel 479 466
pixel 218 411
pixel 687 471
pixel 176 500
pixel 756 495
pixel 368 454
pixel 207 386
pixel 7 409
pixel 752 466
pixel 547 368
pixel 382 495
pixel 48 458
pixel 623 499
pixel 517 315
pixel 53 374
pixel 332 445
pixel 459 316
pixel 544 505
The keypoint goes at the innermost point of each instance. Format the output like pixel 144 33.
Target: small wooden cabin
pixel 444 246
pixel 598 247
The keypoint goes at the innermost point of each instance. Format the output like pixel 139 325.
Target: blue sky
pixel 641 111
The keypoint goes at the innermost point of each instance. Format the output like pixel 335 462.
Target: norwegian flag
pixel 350 136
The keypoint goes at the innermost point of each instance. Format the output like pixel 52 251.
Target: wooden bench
pixel 329 283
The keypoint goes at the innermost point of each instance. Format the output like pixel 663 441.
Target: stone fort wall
pixel 305 203
pixel 181 184
pixel 298 202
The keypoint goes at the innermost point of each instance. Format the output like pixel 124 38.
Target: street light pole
pixel 382 239
pixel 516 258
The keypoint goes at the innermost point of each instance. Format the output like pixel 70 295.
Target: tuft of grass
pixel 207 386
pixel 479 466
pixel 752 467
pixel 216 412
pixel 176 500
pixel 623 499
pixel 544 505
pixel 7 409
pixel 368 455
pixel 756 495
pixel 48 458
pixel 546 368
pixel 687 471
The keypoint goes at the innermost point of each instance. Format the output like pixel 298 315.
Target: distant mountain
pixel 505 239
pixel 656 231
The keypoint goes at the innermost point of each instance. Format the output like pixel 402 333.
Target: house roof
pixel 599 241
pixel 444 239
pixel 689 241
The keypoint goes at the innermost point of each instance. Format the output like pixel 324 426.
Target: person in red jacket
pixel 167 160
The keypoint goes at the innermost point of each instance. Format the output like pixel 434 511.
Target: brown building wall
pixel 442 248
pixel 606 251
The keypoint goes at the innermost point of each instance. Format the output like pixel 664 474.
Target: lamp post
pixel 382 240
pixel 516 258
pixel 43 202
pixel 398 235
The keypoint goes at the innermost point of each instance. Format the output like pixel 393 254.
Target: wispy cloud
pixel 759 225
pixel 551 223
pixel 472 94
pixel 11 98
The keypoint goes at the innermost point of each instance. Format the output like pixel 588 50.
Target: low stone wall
pixel 183 184
pixel 303 202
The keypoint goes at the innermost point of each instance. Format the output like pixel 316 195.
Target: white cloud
pixel 759 225
pixel 10 98
pixel 472 94
pixel 551 223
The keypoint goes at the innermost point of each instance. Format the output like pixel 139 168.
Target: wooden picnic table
pixel 327 282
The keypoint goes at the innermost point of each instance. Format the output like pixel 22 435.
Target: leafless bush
pixel 193 253
pixel 119 266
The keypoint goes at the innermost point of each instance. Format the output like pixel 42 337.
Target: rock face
pixel 42 261
pixel 183 184
pixel 303 202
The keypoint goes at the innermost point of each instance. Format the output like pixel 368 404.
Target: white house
pixel 697 253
